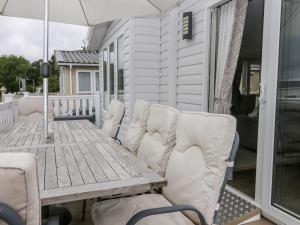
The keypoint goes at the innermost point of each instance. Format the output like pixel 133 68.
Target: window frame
pixel 113 94
pixel 117 64
pixel 91 81
pixel 95 80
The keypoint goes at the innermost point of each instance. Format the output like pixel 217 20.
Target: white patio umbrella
pixel 80 12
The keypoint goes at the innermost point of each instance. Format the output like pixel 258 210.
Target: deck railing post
pixel 3 90
pixel 97 108
pixel 9 97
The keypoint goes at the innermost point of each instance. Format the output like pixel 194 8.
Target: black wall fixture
pixel 187 25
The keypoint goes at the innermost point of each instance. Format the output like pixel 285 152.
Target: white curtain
pixel 230 33
pixel 226 18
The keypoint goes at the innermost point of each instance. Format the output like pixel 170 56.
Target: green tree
pixel 34 79
pixel 54 76
pixel 11 69
pixel 14 67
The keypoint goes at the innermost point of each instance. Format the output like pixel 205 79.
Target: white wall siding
pixel 147 52
pixel 164 59
pixel 190 59
pixel 114 31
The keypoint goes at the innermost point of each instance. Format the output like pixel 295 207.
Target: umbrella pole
pixel 45 69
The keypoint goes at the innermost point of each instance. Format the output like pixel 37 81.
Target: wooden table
pixel 79 161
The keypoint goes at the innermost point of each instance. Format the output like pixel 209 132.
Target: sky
pixel 24 37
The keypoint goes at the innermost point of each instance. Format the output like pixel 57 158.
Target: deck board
pixel 78 162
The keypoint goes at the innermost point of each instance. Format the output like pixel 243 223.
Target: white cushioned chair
pixel 137 127
pixel 114 117
pixel 19 186
pixel 19 193
pixel 159 140
pixel 196 173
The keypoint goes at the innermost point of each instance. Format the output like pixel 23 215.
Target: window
pixel 111 70
pixel 105 69
pixel 97 81
pixel 84 82
pixel 120 49
pixel 250 78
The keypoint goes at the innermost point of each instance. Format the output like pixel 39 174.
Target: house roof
pixel 77 57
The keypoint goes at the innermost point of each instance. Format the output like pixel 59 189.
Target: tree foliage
pixel 14 67
pixel 11 69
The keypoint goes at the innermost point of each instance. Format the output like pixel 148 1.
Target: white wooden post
pixel 3 90
pixel 97 108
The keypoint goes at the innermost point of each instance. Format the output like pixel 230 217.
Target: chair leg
pixel 83 210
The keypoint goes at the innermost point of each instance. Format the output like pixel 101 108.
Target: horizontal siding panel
pixel 147 56
pixel 164 48
pixel 190 89
pixel 143 38
pixel 190 79
pixel 198 38
pixel 147 48
pixel 190 60
pixel 164 55
pixel 163 89
pixel 147 30
pixel 188 70
pixel 145 80
pixel 163 80
pixel 190 99
pixel 147 22
pixel 163 97
pixel 164 63
pixel 163 72
pixel 151 97
pixel 146 64
pixel 146 73
pixel 146 88
pixel 165 37
pixel 189 107
pixel 191 50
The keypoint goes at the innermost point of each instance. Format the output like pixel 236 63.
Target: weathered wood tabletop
pixel 79 161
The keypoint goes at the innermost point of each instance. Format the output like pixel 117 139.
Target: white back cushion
pixel 111 124
pixel 33 105
pixel 196 168
pixel 159 140
pixel 19 185
pixel 137 126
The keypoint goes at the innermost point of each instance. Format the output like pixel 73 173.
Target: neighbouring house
pixel 78 71
pixel 242 58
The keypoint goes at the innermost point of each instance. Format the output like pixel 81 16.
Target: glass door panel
pixel 286 158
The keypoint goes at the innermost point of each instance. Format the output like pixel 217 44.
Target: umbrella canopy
pixel 80 12
pixel 83 12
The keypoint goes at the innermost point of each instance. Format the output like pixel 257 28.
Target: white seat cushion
pixel 137 126
pixel 119 211
pixel 159 140
pixel 111 124
pixel 19 185
pixel 196 168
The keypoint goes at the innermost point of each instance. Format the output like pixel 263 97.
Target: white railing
pixel 73 105
pixel 8 112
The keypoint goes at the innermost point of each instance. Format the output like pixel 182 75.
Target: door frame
pixel 270 57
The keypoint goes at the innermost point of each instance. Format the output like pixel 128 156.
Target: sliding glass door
pixel 281 73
